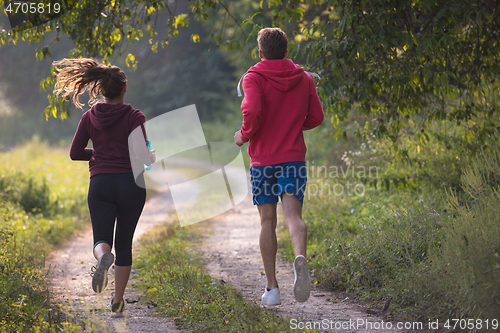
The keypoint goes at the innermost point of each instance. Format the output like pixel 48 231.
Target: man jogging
pixel 280 103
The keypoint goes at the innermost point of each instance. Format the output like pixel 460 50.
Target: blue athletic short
pixel 270 181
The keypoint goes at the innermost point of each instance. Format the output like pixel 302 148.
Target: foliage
pixel 183 74
pixel 170 268
pixel 105 28
pixel 436 259
pixel 470 256
pixel 391 60
pixel 394 60
pixel 33 197
pixel 437 161
pixel 35 219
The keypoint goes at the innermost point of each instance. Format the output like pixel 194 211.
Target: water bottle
pixel 148 167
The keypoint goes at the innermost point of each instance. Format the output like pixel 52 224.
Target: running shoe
pixel 302 283
pixel 271 297
pixel 100 272
pixel 117 308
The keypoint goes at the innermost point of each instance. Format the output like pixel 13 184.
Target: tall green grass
pixel 42 203
pixel 469 259
pixel 424 230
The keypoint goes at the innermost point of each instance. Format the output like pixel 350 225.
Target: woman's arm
pixel 139 148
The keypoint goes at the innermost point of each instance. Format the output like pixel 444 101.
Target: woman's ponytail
pixel 75 76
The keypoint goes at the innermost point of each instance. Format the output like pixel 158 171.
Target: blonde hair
pixel 75 76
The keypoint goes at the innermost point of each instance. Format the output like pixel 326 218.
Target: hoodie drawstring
pixel 313 74
pixel 238 87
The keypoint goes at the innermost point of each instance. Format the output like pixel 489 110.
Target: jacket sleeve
pixel 315 114
pixel 139 146
pixel 78 150
pixel 251 106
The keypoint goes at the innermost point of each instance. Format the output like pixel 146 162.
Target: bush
pixel 470 256
pixel 436 254
pixel 32 195
pixel 42 203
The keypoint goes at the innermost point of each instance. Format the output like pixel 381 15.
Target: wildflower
pixel 364 227
pixel 397 214
pixel 150 291
pixel 322 220
pixel 409 208
pixel 352 210
pixel 61 206
pixel 421 200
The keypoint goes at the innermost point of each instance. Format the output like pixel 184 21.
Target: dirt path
pixel 70 283
pixel 232 252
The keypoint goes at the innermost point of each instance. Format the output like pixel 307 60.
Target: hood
pixel 283 74
pixel 103 115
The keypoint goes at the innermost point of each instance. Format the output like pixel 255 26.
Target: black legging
pixel 115 196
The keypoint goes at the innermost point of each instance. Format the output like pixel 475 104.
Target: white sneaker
pixel 302 283
pixel 271 297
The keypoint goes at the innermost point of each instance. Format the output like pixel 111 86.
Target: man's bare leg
pixel 292 211
pixel 268 242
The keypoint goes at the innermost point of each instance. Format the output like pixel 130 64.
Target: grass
pixel 42 203
pixel 417 232
pixel 171 273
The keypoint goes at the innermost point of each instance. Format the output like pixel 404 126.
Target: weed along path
pixel 233 255
pixel 70 282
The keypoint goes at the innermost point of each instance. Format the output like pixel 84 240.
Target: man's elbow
pixel 321 118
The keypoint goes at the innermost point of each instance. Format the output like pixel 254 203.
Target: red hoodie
pixel 280 102
pixel 108 126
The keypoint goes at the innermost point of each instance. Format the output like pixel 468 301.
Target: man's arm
pixel 251 107
pixel 315 114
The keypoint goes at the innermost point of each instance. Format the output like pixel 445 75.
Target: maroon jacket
pixel 280 103
pixel 108 126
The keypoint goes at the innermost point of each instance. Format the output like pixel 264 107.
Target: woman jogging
pixel 113 193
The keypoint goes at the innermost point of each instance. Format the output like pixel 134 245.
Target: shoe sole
pixel 100 278
pixel 269 303
pixel 269 300
pixel 302 284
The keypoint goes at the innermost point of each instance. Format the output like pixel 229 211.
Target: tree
pixel 392 60
pixel 101 29
pixel 398 59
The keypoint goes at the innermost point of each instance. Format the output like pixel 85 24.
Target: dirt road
pixel 232 253
pixel 71 282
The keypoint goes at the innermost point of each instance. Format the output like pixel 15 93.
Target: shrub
pixel 42 203
pixel 470 255
pixel 32 195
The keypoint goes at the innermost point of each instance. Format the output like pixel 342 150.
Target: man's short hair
pixel 273 43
